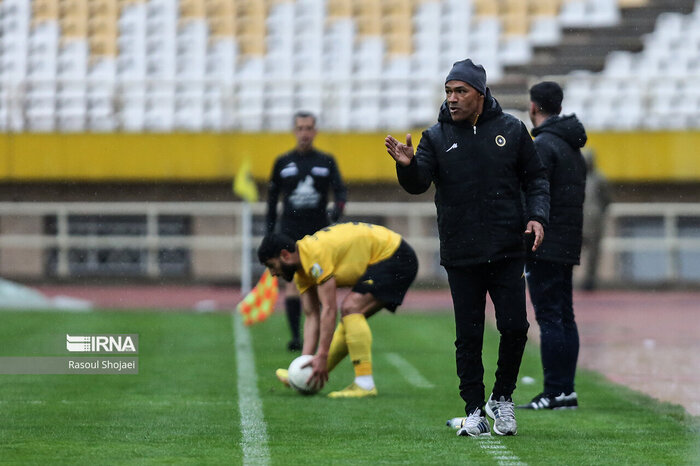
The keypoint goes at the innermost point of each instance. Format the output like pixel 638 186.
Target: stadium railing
pixel 644 243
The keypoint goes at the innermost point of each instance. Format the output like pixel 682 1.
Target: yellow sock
pixel 358 337
pixel 338 349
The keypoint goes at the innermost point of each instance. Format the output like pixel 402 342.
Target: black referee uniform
pixel 304 179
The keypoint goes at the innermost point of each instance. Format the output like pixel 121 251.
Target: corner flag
pixel 260 302
pixel 243 184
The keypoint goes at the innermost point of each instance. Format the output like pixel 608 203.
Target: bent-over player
pixel 378 266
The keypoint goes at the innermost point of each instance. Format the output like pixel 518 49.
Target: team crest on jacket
pixel 316 271
pixel 500 141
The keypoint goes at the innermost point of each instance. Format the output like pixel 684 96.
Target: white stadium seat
pixel 349 62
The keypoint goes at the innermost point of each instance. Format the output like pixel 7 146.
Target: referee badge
pixel 500 141
pixel 316 271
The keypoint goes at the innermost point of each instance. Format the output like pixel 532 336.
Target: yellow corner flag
pixel 243 184
pixel 260 302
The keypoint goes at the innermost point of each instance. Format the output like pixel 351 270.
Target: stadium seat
pixel 573 13
pixel 339 9
pixel 192 9
pixel 515 50
pixel 192 49
pixel 603 13
pixel 72 61
pixel 251 94
pixel 325 48
pixel 486 7
pixel 544 31
pixel 619 65
pixel 44 10
pixel 222 59
pixel 656 98
pixel 189 107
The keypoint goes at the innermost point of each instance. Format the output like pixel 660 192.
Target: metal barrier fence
pixel 656 243
pixel 653 243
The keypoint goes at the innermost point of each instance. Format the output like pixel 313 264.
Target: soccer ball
pixel 298 375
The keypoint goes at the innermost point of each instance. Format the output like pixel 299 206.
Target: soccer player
pixel 304 177
pixel 378 266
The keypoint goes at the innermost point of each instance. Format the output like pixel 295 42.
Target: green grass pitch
pixel 183 406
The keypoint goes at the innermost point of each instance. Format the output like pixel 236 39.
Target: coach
pixel 480 160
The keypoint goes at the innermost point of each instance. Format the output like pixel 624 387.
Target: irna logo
pixel 122 343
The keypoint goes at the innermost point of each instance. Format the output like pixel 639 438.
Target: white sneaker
pixel 502 412
pixel 474 425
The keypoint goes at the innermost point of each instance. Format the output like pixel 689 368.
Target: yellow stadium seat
pixel 252 26
pixel 632 3
pixel 251 44
pixel 486 7
pixel 103 45
pixel 397 7
pixel 369 25
pixel 102 25
pixel 515 24
pixel 399 44
pixel 222 26
pixel 73 17
pixel 251 29
pixel 222 17
pixel 125 3
pixel 220 8
pixel 339 9
pixel 43 10
pixel 367 8
pixel 545 7
pixel 254 8
pixel 514 7
pixel 103 7
pixel 74 27
pixel 192 9
pixel 73 7
pixel 398 23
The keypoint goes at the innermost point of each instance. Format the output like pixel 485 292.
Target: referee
pixel 304 177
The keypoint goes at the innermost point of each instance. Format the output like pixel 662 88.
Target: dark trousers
pixel 550 286
pixel 504 282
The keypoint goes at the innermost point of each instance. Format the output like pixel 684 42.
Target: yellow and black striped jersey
pixel 343 251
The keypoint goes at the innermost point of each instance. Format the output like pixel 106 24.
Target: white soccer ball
pixel 298 375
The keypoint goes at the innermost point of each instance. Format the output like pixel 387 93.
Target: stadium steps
pixel 583 49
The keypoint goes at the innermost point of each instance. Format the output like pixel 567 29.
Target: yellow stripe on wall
pixel 97 157
pixel 653 156
pixel 635 156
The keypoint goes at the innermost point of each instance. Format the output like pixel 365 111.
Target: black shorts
pixel 389 280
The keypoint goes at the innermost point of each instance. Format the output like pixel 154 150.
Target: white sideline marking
pixel 253 426
pixel 499 452
pixel 408 371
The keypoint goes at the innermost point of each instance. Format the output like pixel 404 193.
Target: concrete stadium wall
pixel 25 157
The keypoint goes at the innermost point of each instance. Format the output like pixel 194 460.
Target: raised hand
pixel 402 153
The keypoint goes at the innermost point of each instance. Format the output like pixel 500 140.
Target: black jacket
pixel 304 180
pixel 558 141
pixel 480 173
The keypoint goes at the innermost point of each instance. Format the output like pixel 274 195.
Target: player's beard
pixel 288 271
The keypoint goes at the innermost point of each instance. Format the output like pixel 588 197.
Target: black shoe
pixel 550 401
pixel 294 345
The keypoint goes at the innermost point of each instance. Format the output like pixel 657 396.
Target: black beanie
pixel 548 96
pixel 468 72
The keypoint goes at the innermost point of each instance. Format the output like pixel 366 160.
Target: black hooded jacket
pixel 480 173
pixel 558 141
